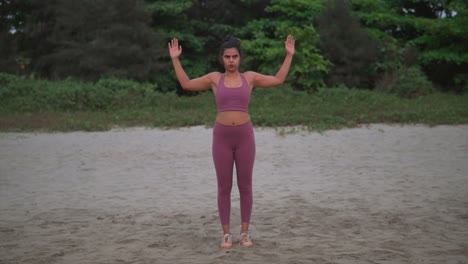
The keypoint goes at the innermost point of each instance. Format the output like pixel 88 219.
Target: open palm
pixel 289 45
pixel 174 49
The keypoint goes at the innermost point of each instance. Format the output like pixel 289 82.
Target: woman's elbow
pixel 186 86
pixel 279 82
pixel 190 88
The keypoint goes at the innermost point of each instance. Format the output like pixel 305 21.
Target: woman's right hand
pixel 174 49
pixel 289 45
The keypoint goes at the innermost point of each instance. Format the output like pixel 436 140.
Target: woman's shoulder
pixel 214 76
pixel 215 73
pixel 250 75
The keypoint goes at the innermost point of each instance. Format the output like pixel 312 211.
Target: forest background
pixel 69 64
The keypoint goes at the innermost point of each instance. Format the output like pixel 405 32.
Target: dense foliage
pixel 435 30
pixel 371 44
pixel 346 44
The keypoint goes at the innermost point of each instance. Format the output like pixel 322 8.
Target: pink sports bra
pixel 233 99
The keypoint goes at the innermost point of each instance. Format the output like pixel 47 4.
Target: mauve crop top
pixel 233 98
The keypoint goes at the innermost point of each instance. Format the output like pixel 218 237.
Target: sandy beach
pixel 374 194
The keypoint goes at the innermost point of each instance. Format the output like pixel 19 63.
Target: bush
pixel 461 81
pixel 6 78
pixel 20 94
pixel 407 82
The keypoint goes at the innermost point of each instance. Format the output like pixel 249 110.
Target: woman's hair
pixel 228 43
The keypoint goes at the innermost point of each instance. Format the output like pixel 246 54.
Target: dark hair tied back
pixel 230 42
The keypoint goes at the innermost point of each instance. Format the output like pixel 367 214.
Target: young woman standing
pixel 233 133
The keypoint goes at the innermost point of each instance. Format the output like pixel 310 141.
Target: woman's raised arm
pixel 265 81
pixel 196 84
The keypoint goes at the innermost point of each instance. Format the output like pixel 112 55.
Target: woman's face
pixel 231 59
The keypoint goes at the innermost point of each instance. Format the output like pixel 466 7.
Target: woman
pixel 233 134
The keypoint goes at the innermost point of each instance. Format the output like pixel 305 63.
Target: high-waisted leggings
pixel 234 145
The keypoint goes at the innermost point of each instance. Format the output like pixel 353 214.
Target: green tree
pixel 92 39
pixel 8 52
pixel 347 45
pixel 12 19
pixel 444 45
pixel 265 42
pixel 436 28
pixel 170 18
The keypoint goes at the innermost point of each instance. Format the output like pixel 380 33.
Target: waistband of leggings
pixel 248 123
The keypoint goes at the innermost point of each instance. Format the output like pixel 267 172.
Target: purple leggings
pixel 234 145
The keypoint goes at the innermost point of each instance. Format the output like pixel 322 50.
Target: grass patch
pixel 138 105
pixel 339 108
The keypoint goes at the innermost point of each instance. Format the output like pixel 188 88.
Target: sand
pixel 374 194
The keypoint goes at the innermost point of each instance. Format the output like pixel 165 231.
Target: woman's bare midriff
pixel 232 118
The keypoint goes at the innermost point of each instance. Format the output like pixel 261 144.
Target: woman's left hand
pixel 289 45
